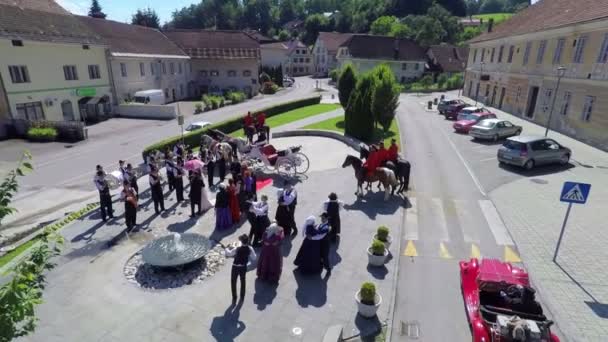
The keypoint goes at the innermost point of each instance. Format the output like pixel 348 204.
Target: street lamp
pixel 561 71
pixel 479 83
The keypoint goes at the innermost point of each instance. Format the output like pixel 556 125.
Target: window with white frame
pixel 603 55
pixel 547 100
pixel 511 52
pixel 179 68
pixel 566 103
pixel 123 69
pixel 142 69
pixel 19 74
pixel 541 51
pixel 579 49
pixel 70 72
pixel 152 72
pixel 588 108
pixel 501 50
pixel 527 52
pixel 172 68
pixel 474 55
pixel 94 73
pixel 559 48
pixel 214 73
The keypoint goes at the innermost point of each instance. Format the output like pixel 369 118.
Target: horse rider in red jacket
pixel 372 162
pixel 261 118
pixel 248 126
pixel 382 154
pixel 393 151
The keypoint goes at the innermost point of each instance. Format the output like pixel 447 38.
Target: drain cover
pixel 411 329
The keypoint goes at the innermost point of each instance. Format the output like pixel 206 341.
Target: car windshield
pixel 487 124
pixel 467 116
pixel 513 145
pixel 140 99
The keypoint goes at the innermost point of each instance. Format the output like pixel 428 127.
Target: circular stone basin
pixel 175 250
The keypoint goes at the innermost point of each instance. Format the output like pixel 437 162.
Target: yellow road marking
pixel 410 249
pixel 443 251
pixel 475 252
pixel 510 255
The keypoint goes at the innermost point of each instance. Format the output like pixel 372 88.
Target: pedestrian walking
pixel 178 174
pixel 129 196
pixel 105 199
pixel 283 215
pixel 309 258
pixel 223 218
pixel 156 188
pixel 332 207
pixel 243 255
pixel 196 186
pixel 261 222
pixel 270 263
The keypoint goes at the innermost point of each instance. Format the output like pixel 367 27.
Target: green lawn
pixel 498 17
pixel 337 124
pixel 295 115
pixel 6 258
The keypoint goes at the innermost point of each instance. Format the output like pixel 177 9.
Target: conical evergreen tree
pixel 95 10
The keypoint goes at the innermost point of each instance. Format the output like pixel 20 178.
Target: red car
pixel 467 120
pixel 500 304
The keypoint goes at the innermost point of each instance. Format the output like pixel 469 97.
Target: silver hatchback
pixel 530 151
pixel 494 129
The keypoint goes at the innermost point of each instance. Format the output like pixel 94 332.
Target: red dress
pixel 393 152
pixel 233 203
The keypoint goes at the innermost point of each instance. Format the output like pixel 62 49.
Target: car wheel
pixel 495 138
pixel 565 159
pixel 529 165
pixel 518 132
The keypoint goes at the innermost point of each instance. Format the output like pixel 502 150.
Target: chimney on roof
pixel 396 49
pixel 490 24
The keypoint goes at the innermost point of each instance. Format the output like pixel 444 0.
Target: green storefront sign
pixel 86 92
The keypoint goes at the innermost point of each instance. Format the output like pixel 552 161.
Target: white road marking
pixel 475 180
pixel 439 214
pixel 466 220
pixel 501 235
pixel 487 159
pixel 411 221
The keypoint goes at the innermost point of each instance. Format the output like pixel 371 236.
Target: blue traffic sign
pixel 575 192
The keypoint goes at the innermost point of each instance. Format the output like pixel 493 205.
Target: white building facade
pixel 325 50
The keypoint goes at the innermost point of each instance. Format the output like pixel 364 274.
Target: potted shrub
pixel 382 234
pixel 198 108
pixel 368 301
pixel 377 253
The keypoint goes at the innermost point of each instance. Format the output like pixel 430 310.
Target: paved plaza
pixel 89 299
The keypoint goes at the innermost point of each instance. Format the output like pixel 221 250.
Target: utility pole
pixel 561 71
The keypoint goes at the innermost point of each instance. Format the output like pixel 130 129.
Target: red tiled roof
pixel 450 58
pixel 28 24
pixel 262 39
pixel 215 44
pixel 333 40
pixel 38 5
pixel 126 38
pixel 367 46
pixel 548 14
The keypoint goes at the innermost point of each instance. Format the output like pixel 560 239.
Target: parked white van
pixel 152 96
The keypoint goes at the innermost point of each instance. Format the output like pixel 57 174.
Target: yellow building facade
pixel 519 72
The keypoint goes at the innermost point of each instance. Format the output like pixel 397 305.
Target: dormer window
pixel 17 42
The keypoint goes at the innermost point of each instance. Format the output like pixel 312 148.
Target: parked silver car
pixel 530 151
pixel 494 129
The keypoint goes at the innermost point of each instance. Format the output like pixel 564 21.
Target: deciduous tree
pixel 146 17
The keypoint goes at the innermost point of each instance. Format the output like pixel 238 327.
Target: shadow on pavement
pixel 264 293
pixel 227 327
pixel 537 171
pixel 600 309
pixel 373 204
pixel 369 328
pixel 488 142
pixel 377 272
pixel 312 289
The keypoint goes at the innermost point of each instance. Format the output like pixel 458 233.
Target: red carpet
pixel 261 184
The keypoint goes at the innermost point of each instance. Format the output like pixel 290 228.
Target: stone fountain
pixel 176 250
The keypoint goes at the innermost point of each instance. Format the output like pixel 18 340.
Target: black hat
pixel 333 196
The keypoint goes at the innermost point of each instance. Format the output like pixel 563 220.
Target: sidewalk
pixel 575 288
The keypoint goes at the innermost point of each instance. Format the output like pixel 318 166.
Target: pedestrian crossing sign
pixel 575 192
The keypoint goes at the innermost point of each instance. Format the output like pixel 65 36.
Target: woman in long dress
pixel 233 201
pixel 270 263
pixel 309 259
pixel 283 216
pixel 196 187
pixel 223 219
pixel 205 202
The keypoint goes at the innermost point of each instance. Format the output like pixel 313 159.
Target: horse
pixel 401 168
pixel 382 174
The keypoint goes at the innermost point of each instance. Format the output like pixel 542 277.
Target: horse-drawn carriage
pixel 287 162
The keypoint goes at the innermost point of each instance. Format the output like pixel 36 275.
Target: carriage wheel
pixel 301 161
pixel 286 168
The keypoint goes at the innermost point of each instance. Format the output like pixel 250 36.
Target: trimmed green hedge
pixel 42 134
pixel 193 139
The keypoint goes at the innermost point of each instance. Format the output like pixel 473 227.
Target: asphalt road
pixel 71 166
pixel 450 219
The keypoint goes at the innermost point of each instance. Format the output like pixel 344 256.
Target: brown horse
pixel 382 174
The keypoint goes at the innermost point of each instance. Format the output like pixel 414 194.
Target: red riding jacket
pixel 393 152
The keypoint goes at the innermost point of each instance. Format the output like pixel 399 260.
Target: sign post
pixel 571 193
pixel 180 121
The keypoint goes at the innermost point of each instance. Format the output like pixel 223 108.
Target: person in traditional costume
pixel 170 168
pixel 178 174
pixel 372 162
pixel 132 177
pixel 393 151
pixel 332 207
pixel 382 154
pixel 270 263
pixel 290 198
pixel 196 187
pixel 243 255
pixel 233 201
pixel 223 219
pixel 283 215
pixel 210 162
pixel 323 232
pixel 261 222
pixel 156 188
pixel 105 198
pixel 249 185
pixel 248 126
pixel 309 259
pixel 123 169
pixel 221 164
pixel 205 202
pixel 129 196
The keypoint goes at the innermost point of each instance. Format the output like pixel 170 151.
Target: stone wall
pixel 147 111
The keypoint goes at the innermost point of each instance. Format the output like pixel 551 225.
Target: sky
pixel 121 10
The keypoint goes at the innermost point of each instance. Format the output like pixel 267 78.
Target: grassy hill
pixel 498 17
